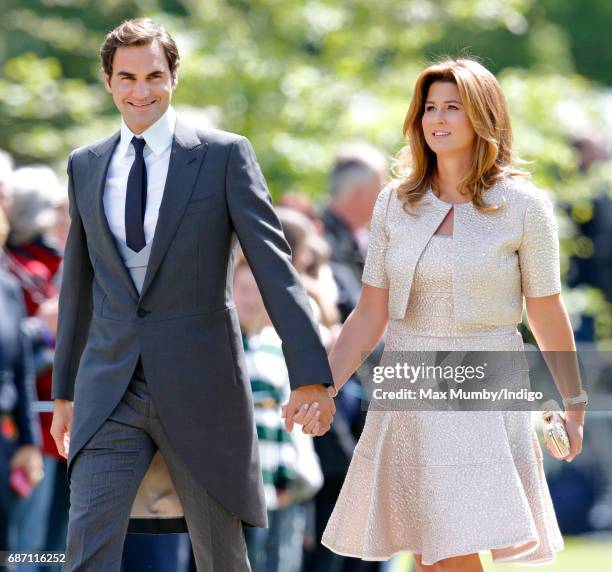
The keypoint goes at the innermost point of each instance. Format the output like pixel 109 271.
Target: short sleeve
pixel 374 272
pixel 539 249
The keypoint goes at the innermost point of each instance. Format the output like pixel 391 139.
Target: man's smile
pixel 141 106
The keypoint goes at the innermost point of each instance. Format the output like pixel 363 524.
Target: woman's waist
pixel 439 327
pixel 433 315
pixel 402 336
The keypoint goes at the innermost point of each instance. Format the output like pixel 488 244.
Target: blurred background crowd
pixel 321 89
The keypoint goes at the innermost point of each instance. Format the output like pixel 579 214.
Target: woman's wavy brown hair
pixel 486 107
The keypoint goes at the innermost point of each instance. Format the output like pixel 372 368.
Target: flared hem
pixel 505 508
pixel 518 560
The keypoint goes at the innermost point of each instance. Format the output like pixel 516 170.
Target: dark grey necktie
pixel 136 199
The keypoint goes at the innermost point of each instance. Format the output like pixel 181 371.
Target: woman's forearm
pixel 551 327
pixel 550 324
pixel 360 334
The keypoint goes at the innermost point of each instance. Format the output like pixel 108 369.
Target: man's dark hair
pixel 138 32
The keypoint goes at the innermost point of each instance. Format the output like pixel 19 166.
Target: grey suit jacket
pixel 184 322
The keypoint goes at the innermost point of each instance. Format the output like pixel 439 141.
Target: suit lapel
pixel 185 160
pixel 99 161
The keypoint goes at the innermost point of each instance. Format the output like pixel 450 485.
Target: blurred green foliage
pixel 301 77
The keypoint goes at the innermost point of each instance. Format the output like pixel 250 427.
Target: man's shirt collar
pixel 158 137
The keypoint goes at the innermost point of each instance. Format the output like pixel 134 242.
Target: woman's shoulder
pixel 389 190
pixel 521 192
pixel 386 196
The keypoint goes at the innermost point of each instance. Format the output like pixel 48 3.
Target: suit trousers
pixel 105 477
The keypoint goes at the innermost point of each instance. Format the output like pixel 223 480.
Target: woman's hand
pixel 574 425
pixel 332 391
pixel 552 329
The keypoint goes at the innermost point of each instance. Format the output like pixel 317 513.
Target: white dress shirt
pixel 158 140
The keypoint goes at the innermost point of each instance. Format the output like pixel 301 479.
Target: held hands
pixel 61 425
pixel 312 407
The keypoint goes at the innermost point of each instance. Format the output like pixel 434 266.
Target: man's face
pixel 141 84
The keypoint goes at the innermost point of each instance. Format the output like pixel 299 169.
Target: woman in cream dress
pixel 457 243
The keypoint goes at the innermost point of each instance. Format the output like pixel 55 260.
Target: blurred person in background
pixel 303 204
pixel 33 256
pixel 21 464
pixel 594 226
pixel 291 472
pixel 310 255
pixel 59 233
pixel 357 176
pixel 358 173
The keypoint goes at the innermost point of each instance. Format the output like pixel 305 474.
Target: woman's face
pixel 446 125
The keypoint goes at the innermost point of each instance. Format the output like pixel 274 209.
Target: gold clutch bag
pixel 556 439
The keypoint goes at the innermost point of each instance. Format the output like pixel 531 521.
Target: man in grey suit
pixel 149 356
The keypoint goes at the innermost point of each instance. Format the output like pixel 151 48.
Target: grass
pixel 581 554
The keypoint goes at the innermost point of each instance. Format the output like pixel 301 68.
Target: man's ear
pixel 107 84
pixel 175 77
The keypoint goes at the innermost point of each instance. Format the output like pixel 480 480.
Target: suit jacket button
pixel 141 312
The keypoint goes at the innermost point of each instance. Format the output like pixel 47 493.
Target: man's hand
pixel 29 458
pixel 317 416
pixel 61 425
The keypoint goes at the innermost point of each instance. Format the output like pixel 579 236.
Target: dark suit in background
pixel 346 261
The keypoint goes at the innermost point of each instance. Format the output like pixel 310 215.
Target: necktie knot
pixel 139 144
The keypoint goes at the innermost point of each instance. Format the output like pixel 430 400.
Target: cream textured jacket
pixel 500 257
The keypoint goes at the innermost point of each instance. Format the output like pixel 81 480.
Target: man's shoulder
pixel 94 147
pixel 189 133
pixel 217 136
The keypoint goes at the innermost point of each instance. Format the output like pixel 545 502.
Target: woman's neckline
pixel 439 200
